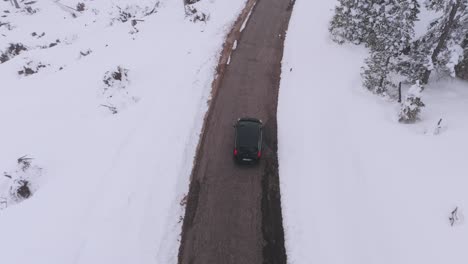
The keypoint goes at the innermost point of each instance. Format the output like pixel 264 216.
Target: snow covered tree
pixel 393 24
pixel 440 47
pixel 393 31
pixel 194 12
pixel 364 21
pixel 412 105
pixel 376 72
pixel 352 22
pixel 414 61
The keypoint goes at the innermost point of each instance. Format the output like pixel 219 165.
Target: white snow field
pixel 106 187
pixel 357 186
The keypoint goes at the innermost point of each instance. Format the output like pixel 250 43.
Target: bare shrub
pixel 117 78
pixel 21 183
pixel 80 7
pixel 195 15
pixel 116 91
pixel 20 190
pixel 85 53
pixel 7 25
pixel 13 50
pixel 31 68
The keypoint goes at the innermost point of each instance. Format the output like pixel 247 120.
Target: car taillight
pixel 259 154
pixel 235 152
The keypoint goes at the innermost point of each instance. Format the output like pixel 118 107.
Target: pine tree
pixel 393 31
pixel 412 105
pixel 376 72
pixel 414 62
pixel 352 22
pixel 363 21
pixel 440 48
pixel 394 24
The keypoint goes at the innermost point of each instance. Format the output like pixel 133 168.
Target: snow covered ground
pixel 357 186
pixel 110 163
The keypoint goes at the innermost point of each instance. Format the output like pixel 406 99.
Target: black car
pixel 248 140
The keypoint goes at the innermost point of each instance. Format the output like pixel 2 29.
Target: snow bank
pixel 111 183
pixel 357 186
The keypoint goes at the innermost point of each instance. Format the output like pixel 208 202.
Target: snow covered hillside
pixel 101 104
pixel 357 186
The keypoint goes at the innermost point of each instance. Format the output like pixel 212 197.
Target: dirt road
pixel 233 212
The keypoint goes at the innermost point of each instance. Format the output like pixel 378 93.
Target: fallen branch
pixel 111 108
pixel 454 216
pixel 154 10
pixel 15 3
pixel 66 8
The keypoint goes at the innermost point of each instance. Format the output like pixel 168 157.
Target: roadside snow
pixel 111 184
pixel 248 18
pixel 357 186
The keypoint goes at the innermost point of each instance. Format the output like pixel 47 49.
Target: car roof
pixel 248 133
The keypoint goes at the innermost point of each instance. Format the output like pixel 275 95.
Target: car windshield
pixel 247 135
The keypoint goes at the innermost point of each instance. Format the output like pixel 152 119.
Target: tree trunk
pixel 461 69
pixel 443 39
pixel 399 92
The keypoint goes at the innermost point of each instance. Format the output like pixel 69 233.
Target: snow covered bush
pixel 31 67
pixel 125 14
pixel 13 50
pixel 52 44
pixel 195 14
pixel 80 7
pixel 21 183
pixel 116 91
pixel 133 12
pixel 196 11
pixel 116 79
pixel 20 190
pixel 412 105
